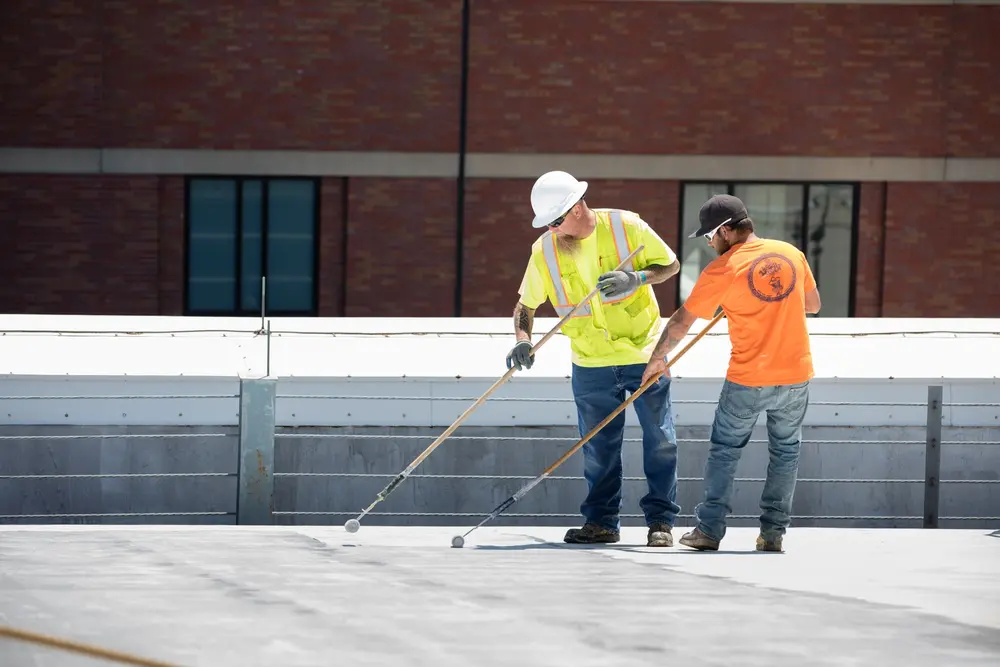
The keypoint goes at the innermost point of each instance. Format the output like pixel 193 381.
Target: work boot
pixel 700 541
pixel 591 533
pixel 659 535
pixel 774 544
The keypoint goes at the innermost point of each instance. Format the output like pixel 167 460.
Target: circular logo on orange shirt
pixel 771 277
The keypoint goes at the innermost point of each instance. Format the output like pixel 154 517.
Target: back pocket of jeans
pixel 798 395
pixel 739 401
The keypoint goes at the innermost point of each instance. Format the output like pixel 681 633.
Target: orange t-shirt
pixel 761 286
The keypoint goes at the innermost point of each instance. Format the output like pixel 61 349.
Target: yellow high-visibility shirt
pixel 535 289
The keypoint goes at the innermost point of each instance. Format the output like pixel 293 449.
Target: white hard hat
pixel 553 194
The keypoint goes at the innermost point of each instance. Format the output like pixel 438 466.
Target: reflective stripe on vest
pixel 622 249
pixel 563 305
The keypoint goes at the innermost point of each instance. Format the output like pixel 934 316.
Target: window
pixel 240 229
pixel 819 218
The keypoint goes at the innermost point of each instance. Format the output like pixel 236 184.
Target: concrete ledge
pixel 735 167
pixel 50 160
pixel 494 165
pixel 336 371
pixel 825 2
pixel 280 163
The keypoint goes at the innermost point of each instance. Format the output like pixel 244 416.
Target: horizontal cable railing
pixel 26 484
pixel 252 464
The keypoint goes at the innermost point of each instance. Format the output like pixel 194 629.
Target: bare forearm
pixel 524 319
pixel 677 328
pixel 656 273
pixel 812 302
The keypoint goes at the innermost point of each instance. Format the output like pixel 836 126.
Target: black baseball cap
pixel 718 211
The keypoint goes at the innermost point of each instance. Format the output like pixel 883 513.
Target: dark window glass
pixel 818 218
pixel 242 230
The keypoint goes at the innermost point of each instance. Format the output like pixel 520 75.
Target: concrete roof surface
pixel 290 596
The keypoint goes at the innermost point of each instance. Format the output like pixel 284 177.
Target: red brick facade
pixel 745 79
pixel 564 76
pixel 178 74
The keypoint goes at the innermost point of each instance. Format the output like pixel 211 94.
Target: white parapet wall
pixel 426 372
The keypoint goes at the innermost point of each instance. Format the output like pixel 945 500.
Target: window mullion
pixel 804 245
pixel 238 241
pixel 264 238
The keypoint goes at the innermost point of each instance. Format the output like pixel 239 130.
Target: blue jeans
pixel 598 391
pixel 735 417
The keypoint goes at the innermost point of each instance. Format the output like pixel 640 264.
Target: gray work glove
pixel 520 356
pixel 616 283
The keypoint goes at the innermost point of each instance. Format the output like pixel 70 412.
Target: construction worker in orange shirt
pixel 766 288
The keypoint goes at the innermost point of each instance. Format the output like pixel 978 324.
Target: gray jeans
pixel 735 417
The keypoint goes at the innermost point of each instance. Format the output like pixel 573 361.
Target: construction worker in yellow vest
pixel 612 338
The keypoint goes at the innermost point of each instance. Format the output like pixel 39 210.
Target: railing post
pixel 932 457
pixel 255 501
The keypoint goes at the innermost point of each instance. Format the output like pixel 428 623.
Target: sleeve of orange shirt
pixel 709 290
pixel 810 280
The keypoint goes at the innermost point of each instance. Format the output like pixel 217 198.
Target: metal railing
pixel 34 478
pixel 257 435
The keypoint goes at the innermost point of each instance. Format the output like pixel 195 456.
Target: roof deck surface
pixel 290 596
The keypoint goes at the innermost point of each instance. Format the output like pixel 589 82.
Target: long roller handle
pixel 79 647
pixel 565 318
pixel 468 411
pixel 604 422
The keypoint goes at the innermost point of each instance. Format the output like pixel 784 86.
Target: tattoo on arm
pixel 523 320
pixel 656 273
pixel 672 334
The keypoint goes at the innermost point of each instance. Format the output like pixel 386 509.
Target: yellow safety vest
pixel 606 327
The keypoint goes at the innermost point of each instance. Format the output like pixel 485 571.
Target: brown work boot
pixel 774 544
pixel 699 540
pixel 591 533
pixel 659 535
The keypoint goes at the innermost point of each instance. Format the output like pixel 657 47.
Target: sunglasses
pixel 711 234
pixel 558 221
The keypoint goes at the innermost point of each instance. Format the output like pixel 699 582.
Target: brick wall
pixel 928 249
pixel 373 75
pixel 81 244
pixel 331 246
pixel 171 246
pixel 50 82
pixel 868 272
pixel 924 250
pixel 401 247
pixel 665 77
pixel 971 96
pixel 941 249
pixel 614 77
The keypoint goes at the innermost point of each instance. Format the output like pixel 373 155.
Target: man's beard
pixel 567 244
pixel 724 250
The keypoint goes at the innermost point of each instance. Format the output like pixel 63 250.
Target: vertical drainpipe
pixel 460 208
